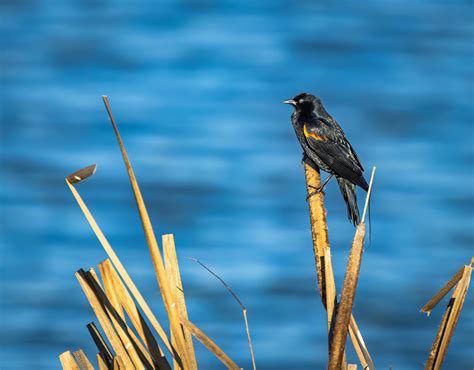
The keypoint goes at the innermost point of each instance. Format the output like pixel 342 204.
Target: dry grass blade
pixel 176 286
pixel 104 350
pixel 244 309
pixel 103 318
pixel 118 265
pixel 344 311
pixel 153 248
pixel 209 344
pixel 82 360
pixel 448 322
pixel 67 361
pixel 427 308
pixel 351 367
pixel 108 272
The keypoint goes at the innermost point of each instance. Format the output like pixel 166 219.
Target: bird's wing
pixel 330 144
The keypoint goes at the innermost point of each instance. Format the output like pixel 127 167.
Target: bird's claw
pixel 317 190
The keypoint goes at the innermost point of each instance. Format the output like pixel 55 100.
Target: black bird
pixel 326 146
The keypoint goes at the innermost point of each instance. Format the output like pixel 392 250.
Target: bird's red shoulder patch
pixel 313 134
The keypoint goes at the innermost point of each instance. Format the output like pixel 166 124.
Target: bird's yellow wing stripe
pixel 312 134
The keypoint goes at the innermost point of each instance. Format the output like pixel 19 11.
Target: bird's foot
pixel 317 190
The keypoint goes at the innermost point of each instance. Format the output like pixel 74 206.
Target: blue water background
pixel 195 87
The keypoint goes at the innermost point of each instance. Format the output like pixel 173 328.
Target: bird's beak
pixel 289 101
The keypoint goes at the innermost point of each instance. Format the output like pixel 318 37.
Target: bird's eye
pixel 301 101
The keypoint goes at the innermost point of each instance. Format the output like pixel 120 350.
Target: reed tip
pixel 81 174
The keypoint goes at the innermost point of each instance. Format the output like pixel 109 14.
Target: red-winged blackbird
pixel 326 146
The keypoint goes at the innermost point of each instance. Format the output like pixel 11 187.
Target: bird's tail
pixel 348 191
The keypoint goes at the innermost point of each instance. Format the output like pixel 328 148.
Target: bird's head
pixel 304 102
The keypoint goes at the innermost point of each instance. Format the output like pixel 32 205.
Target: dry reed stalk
pixel 344 310
pixel 321 248
pixel 359 346
pixel 329 287
pixel 323 259
pixel 135 349
pixel 110 291
pixel 126 301
pixel 341 327
pixel 67 361
pixel 209 344
pixel 101 362
pixel 331 300
pixel 119 364
pixel 443 291
pixel 80 176
pixel 158 265
pixel 103 318
pixel 449 321
pixel 244 309
pixel 352 367
pixel 82 360
pixel 176 287
pixel 104 350
pixel 319 229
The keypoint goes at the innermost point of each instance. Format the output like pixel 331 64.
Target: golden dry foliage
pixel 116 301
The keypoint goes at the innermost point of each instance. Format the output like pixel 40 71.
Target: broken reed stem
pixel 209 344
pixel 321 249
pixel 118 265
pixel 449 321
pixel 67 361
pixel 108 272
pixel 119 364
pixel 154 249
pixel 102 363
pixel 133 349
pixel 319 229
pixel 82 360
pixel 103 318
pixel 341 327
pixel 244 309
pixel 323 259
pixel 176 287
pixel 344 310
pixel 109 298
pixel 104 350
pixel 359 346
pixel 443 291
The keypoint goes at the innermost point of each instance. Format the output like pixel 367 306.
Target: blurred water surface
pixel 195 87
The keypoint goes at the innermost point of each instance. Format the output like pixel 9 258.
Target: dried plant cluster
pixel 133 338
